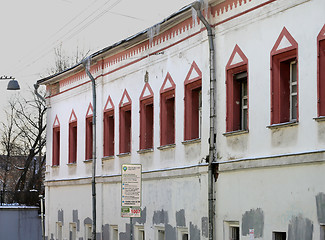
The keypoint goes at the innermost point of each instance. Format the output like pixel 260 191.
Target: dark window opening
pixel 279 236
pixel 234 233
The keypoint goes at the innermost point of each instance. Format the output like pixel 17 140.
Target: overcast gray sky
pixel 30 30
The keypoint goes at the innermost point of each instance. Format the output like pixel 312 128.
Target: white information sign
pixel 131 190
pixel 251 234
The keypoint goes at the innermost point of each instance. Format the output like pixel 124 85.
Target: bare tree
pixel 64 61
pixel 9 144
pixel 30 120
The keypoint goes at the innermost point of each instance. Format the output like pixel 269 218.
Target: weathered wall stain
pixel 105 230
pixel 284 137
pixel 88 221
pixel 194 232
pixel 170 232
pixel 253 219
pixel 125 235
pixel 160 217
pixel 300 228
pixel 205 227
pixel 75 219
pixel 180 218
pixel 60 216
pixel 320 204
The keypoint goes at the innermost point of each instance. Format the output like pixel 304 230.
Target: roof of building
pixel 143 35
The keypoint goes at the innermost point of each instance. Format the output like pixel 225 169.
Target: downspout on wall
pixel 86 64
pixel 212 147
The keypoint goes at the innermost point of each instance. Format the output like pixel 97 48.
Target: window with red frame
pixel 56 147
pixel 284 80
pixel 109 133
pixel 146 124
pixel 146 118
pixel 89 138
pixel 193 103
pixel 167 112
pixel 73 142
pixel 237 91
pixel 193 110
pixel 321 73
pixel 125 123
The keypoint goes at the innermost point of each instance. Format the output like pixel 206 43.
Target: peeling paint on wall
pixel 170 232
pixel 75 219
pixel 253 219
pixel 180 218
pixel 88 221
pixel 105 230
pixel 60 216
pixel 125 235
pixel 205 227
pixel 194 232
pixel 320 203
pixel 160 217
pixel 300 228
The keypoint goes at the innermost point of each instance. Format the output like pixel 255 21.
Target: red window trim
pixel 191 127
pixel 73 138
pixel 279 56
pixel 233 68
pixel 125 138
pixel 109 134
pixel 321 73
pixel 56 143
pixel 166 137
pixel 146 122
pixel 89 133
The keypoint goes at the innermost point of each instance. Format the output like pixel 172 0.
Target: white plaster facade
pixel 269 177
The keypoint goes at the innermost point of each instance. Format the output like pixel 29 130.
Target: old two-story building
pixel 154 90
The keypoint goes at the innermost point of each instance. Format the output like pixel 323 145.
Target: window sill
pixel 320 119
pixel 168 146
pixel 88 161
pixel 72 164
pixel 234 133
pixel 55 166
pixel 142 151
pixel 108 157
pixel 192 141
pixel 124 154
pixel 282 125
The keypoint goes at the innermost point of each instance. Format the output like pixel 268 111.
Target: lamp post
pixel 12 84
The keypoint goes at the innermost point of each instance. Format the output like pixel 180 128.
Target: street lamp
pixel 12 84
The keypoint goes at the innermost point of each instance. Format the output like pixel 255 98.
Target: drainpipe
pixel 211 200
pixel 86 64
